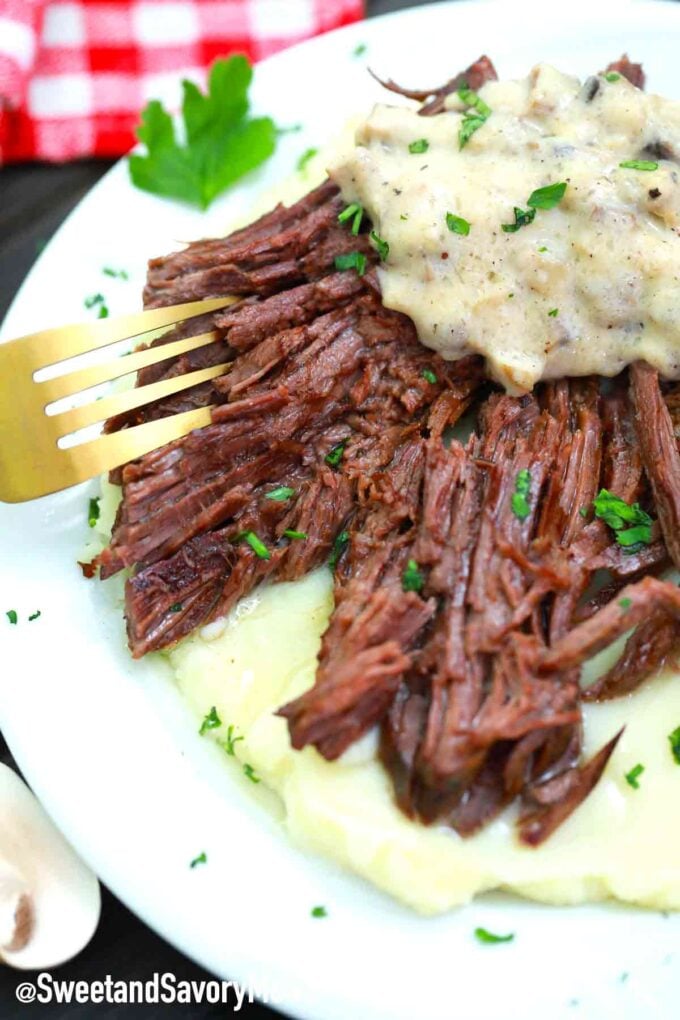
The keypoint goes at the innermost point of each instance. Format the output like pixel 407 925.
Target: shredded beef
pixel 461 621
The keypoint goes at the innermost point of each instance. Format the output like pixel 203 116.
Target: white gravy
pixel 589 285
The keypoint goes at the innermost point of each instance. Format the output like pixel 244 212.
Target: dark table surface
pixel 34 200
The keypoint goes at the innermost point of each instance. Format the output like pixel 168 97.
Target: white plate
pixel 108 746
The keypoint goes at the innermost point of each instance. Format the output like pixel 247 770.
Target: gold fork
pixel 32 463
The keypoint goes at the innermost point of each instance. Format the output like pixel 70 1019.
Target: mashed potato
pixel 621 842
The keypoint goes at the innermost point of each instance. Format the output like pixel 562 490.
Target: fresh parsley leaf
pixel 116 274
pixel 290 533
pixel 281 494
pixel 250 772
pixel 35 616
pixel 612 76
pixel 103 312
pixel 674 739
pixel 339 546
pixel 477 115
pixel 522 219
pixel 583 511
pixel 352 260
pixel 305 158
pixel 11 615
pixel 429 376
pixel 457 225
pixel 211 721
pixel 625 604
pixel 412 578
pixel 176 607
pixel 633 776
pixel 201 859
pixel 553 313
pixel 93 512
pixel 355 213
pixel 382 247
pixel 630 523
pixel 222 141
pixel 548 197
pixel 542 248
pixel 639 164
pixel 230 743
pixel 93 300
pixel 334 456
pixel 420 145
pixel 520 504
pixel 359 50
pixel 255 543
pixel 319 912
pixel 488 937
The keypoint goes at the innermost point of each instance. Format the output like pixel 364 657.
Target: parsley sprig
pixel 521 507
pixel 222 142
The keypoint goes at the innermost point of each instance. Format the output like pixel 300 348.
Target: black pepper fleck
pixel 654 193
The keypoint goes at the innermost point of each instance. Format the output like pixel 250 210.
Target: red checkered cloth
pixel 74 74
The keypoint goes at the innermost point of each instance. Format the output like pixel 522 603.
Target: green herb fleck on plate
pixel 633 776
pixel 457 225
pixel 553 313
pixel 304 159
pixel 93 512
pixel 419 146
pixel 229 744
pixel 211 721
pixel 280 494
pixel 355 213
pixel 381 246
pixel 319 912
pixel 334 456
pixel 412 578
pixel 115 274
pixel 625 603
pixel 35 616
pixel 631 524
pixel 201 859
pixel 674 739
pixel 290 533
pixel 339 546
pixel 429 376
pixel 612 76
pixel 523 217
pixel 250 772
pixel 488 937
pixel 11 615
pixel 547 197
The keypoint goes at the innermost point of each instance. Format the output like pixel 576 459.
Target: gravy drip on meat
pixel 590 285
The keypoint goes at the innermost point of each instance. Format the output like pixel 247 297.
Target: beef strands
pixel 464 597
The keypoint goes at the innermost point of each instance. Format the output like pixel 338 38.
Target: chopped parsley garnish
pixel 221 141
pixel 255 543
pixel 633 776
pixel 429 376
pixel 319 912
pixel 176 607
pixel 339 546
pixel 521 507
pixel 420 145
pixel 116 274
pixel 639 164
pixel 355 213
pixel 476 116
pixel 523 217
pixel 93 299
pixel 103 312
pixel 488 937
pixel 201 859
pixel 542 248
pixel 305 158
pixel 612 76
pixel 674 739
pixel 211 721
pixel 632 525
pixel 290 533
pixel 93 512
pixel 250 772
pixel 334 456
pixel 352 260
pixel 412 578
pixel 382 247
pixel 34 616
pixel 11 615
pixel 548 197
pixel 553 313
pixel 231 741
pixel 281 494
pixel 359 50
pixel 625 604
pixel 583 511
pixel 457 225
